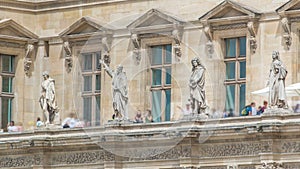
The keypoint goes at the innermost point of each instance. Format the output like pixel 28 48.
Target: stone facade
pixel 261 143
pixel 54 35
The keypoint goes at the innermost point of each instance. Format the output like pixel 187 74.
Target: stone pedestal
pixel 277 112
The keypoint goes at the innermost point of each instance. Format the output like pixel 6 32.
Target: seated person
pixel 39 123
pixel 70 122
pixel 11 127
pixel 148 117
pixel 138 117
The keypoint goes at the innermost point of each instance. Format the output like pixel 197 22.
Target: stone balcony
pixel 241 142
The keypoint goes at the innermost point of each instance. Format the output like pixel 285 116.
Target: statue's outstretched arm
pixel 107 69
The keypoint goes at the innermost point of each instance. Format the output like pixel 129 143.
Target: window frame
pixel 163 87
pixel 93 93
pixel 237 81
pixel 7 95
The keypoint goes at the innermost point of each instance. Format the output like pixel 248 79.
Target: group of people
pixel 251 110
pixel 147 118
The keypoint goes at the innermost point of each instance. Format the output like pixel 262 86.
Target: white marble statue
pixel 278 73
pixel 48 98
pixel 120 91
pixel 196 84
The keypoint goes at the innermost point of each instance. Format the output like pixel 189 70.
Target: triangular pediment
pixel 11 29
pixel 154 17
pixel 291 7
pixel 229 10
pixel 86 25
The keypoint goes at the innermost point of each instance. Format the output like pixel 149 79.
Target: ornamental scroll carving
pixel 137 48
pixel 235 149
pixel 106 43
pixel 273 165
pixel 176 34
pixel 27 58
pixel 68 57
pixel 209 44
pixel 287 32
pixel 252 38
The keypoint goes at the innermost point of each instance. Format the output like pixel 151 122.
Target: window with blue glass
pixel 7 94
pixel 235 62
pixel 91 89
pixel 161 80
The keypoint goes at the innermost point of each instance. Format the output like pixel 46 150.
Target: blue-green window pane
pixel 156 58
pixel 98 111
pixel 98 56
pixel 168 106
pixel 87 80
pixel 156 105
pixel 230 70
pixel 243 69
pixel 242 46
pixel 87 61
pixel 7 63
pixel 98 83
pixel 168 59
pixel 6 107
pixel 230 47
pixel 7 84
pixel 168 75
pixel 87 110
pixel 230 97
pixel 156 77
pixel 242 96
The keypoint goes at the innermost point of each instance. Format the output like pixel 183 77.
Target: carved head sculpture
pixel 275 55
pixel 196 62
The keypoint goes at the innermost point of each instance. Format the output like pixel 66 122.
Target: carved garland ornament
pixel 106 43
pixel 176 37
pixel 252 39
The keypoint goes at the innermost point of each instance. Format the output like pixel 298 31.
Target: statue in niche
pixel 120 91
pixel 48 99
pixel 196 84
pixel 278 73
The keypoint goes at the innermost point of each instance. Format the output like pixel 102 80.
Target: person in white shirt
pixel 253 109
pixel 187 110
pixel 11 127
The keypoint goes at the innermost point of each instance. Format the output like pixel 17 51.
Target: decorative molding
pixel 252 38
pixel 246 167
pixel 20 161
pixel 235 149
pixel 291 165
pixel 214 167
pixel 287 32
pixel 68 55
pixel 273 165
pixel 229 26
pixel 27 58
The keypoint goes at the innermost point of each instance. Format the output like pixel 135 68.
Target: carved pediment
pixel 154 21
pixel 229 12
pixel 290 9
pixel 14 32
pixel 85 28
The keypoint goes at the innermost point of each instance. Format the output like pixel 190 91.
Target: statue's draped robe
pixel 120 93
pixel 48 99
pixel 197 81
pixel 277 83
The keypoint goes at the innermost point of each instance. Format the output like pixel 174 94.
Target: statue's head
pixel 196 61
pixel 45 74
pixel 119 68
pixel 275 55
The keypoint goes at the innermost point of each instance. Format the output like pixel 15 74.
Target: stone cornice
pixel 50 5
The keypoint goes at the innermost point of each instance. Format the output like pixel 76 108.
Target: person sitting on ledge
pixel 39 123
pixel 11 127
pixel 138 117
pixel 148 117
